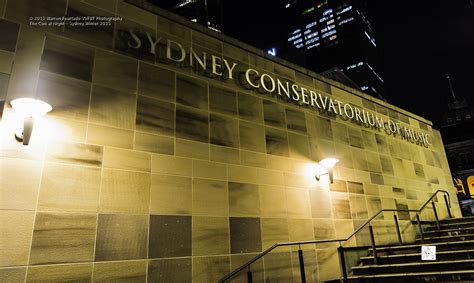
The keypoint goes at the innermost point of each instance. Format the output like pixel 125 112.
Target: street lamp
pixel 325 167
pixel 29 109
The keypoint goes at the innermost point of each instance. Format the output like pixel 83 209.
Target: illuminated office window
pixel 312 40
pixel 327 12
pixel 294 37
pixel 313 45
pixel 312 24
pixel 296 31
pixel 348 8
pixel 308 11
pixel 329 33
pixel 345 21
pixel 311 35
pixel 323 19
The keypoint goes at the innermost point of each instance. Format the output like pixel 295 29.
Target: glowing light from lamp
pixel 329 163
pixel 29 109
pixel 309 171
pixel 319 169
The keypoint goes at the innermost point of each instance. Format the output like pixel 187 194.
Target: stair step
pixel 453 238
pixel 458 220
pixel 414 267
pixel 404 258
pixel 449 232
pixel 414 248
pixel 413 277
pixel 454 242
pixel 450 226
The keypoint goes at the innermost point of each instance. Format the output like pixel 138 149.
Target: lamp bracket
pixel 25 135
pixel 318 176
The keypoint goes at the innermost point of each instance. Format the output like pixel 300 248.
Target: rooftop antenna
pixel 451 88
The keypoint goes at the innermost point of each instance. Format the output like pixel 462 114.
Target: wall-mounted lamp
pixel 29 109
pixel 325 167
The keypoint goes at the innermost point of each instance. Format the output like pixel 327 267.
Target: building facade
pixel 175 154
pixel 336 34
pixel 457 128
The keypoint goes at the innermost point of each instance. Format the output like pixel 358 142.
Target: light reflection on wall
pixel 310 169
pixel 44 131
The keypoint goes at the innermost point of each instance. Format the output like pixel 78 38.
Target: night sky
pixel 419 42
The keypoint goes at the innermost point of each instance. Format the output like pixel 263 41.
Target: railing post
pixel 249 276
pixel 436 215
pixel 342 259
pixel 447 206
pixel 372 240
pixel 420 227
pixel 395 218
pixel 301 260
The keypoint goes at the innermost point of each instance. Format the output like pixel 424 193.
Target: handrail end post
pixel 436 215
pixel 301 262
pixel 420 227
pixel 249 276
pixel 399 234
pixel 342 260
pixel 447 205
pixel 374 248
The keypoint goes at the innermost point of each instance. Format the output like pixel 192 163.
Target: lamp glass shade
pixel 329 163
pixel 29 107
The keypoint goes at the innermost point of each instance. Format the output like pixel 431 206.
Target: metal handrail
pixel 262 254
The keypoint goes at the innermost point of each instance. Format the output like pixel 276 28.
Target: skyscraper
pixel 337 39
pixel 205 12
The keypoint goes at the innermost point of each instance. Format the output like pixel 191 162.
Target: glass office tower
pixel 337 39
pixel 205 12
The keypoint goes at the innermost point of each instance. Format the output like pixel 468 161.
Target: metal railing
pixel 340 248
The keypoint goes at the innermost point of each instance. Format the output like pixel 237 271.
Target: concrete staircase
pixel 454 243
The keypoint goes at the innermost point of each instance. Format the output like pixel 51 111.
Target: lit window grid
pixel 328 16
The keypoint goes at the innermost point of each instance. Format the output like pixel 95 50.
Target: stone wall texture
pixel 151 171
